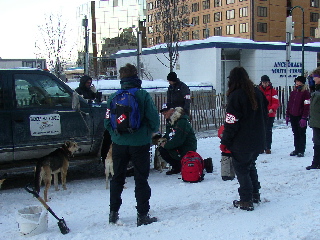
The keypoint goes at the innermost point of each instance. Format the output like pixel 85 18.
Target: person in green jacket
pixel 180 135
pixel 314 121
pixel 133 147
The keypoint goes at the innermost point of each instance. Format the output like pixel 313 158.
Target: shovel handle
pixel 31 190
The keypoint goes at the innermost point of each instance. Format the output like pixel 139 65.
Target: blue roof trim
pixel 240 45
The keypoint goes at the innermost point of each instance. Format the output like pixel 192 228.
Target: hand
pixel 93 89
pixel 223 148
pixel 270 111
pixel 303 122
pixel 287 120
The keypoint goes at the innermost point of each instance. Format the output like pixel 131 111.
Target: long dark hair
pixel 239 79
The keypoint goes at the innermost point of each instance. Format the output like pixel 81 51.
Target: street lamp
pixel 302 48
pixel 86 45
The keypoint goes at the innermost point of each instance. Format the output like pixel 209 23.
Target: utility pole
pixel 139 52
pixel 94 39
pixel 86 45
pixel 289 32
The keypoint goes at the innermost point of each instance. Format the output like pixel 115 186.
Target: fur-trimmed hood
pixel 177 114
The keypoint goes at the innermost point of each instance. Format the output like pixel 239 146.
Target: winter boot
pixel 243 205
pixel 145 219
pixel 268 151
pixel 113 217
pixel 316 158
pixel 256 197
pixel 293 153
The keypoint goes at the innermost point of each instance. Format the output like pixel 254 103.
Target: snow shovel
pixel 62 224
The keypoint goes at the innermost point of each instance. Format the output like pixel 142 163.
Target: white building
pixel 210 60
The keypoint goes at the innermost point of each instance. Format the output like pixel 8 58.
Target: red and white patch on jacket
pixel 121 118
pixel 108 113
pixel 230 118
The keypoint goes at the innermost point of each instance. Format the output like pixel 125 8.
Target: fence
pixel 208 108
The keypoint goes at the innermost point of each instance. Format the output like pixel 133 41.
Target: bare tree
pixel 52 43
pixel 168 21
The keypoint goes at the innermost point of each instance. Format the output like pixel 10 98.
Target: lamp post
pixel 302 48
pixel 86 46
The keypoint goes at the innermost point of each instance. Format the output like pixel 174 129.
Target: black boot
pixel 316 158
pixel 256 197
pixel 113 217
pixel 243 205
pixel 145 219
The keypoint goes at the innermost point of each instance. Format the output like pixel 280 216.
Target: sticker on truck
pixel 41 125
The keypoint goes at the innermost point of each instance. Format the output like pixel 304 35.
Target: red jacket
pixel 273 99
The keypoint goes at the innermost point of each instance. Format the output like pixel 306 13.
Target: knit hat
pixel 166 107
pixel 300 79
pixel 172 76
pixel 265 78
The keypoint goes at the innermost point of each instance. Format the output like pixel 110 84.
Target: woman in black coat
pixel 244 133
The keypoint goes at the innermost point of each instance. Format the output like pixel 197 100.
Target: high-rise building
pixel 258 20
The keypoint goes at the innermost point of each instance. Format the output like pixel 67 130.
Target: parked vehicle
pixel 39 112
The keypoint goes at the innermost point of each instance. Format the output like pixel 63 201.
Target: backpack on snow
pixel 192 166
pixel 124 111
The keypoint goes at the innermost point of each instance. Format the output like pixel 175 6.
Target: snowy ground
pixel 289 208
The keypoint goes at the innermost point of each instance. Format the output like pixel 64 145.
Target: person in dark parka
pixel 86 89
pixel 244 133
pixel 178 94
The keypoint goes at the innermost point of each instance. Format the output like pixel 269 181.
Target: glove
pixel 303 122
pixel 287 120
pixel 223 148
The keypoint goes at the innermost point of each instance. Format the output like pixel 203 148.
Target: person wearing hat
pixel 133 147
pixel 297 113
pixel 180 135
pixel 315 120
pixel 178 94
pixel 273 104
pixel 86 89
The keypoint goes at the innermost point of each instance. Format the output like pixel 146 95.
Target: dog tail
pixel 37 176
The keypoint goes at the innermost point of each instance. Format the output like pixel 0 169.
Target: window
pixel 314 3
pixel 157 16
pixel 185 36
pixel 195 7
pixel 230 29
pixel 150 29
pixel 150 18
pixel 218 31
pixel 314 17
pixel 206 4
pixel 243 27
pixel 150 5
pixel 230 1
pixel 206 33
pixel 242 0
pixel 195 34
pixel 195 21
pixel 218 16
pixel 243 12
pixel 158 40
pixel 262 12
pixel 158 28
pixel 206 18
pixel 312 31
pixel 150 41
pixel 217 3
pixel 262 27
pixel 40 91
pixel 230 14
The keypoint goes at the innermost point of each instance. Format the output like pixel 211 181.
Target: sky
pixel 20 20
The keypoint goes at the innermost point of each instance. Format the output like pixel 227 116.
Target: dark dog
pixel 159 162
pixel 55 162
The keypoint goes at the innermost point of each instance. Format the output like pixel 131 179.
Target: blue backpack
pixel 124 111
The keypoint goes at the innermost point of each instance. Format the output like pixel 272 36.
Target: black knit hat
pixel 300 79
pixel 265 78
pixel 172 76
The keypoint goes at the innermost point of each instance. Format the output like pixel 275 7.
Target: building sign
pixel 41 125
pixel 294 69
